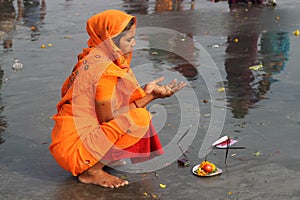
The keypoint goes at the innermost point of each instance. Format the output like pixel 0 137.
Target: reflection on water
pixel 241 53
pixel 145 7
pixel 136 6
pixel 176 51
pixel 172 5
pixel 168 5
pixel 32 12
pixel 275 48
pixel 7 22
pixel 7 25
pixel 3 124
pixel 245 87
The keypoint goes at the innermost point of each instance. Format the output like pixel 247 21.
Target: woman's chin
pixel 127 54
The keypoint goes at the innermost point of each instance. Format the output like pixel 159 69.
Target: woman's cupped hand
pixel 162 91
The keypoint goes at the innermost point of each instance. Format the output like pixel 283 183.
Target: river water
pixel 241 63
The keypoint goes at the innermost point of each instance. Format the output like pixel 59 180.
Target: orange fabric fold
pixel 78 140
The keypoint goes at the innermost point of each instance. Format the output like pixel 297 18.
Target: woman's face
pixel 127 41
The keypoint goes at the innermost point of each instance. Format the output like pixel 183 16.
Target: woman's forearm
pixel 140 103
pixel 144 101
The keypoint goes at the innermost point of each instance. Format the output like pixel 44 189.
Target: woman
pixel 101 117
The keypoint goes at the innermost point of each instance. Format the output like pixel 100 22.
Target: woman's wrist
pixel 142 102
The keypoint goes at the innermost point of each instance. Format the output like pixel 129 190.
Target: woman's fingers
pixel 172 84
pixel 174 87
pixel 178 87
pixel 160 79
pixel 164 90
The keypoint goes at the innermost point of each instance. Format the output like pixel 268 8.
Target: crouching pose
pixel 102 116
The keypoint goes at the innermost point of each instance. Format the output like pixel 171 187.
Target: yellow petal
pixel 163 186
pixel 222 89
pixel 68 37
pixel 256 67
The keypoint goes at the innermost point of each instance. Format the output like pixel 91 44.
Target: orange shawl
pixel 78 140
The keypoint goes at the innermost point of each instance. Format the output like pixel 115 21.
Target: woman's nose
pixel 133 42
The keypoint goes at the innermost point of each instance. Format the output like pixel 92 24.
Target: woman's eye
pixel 130 39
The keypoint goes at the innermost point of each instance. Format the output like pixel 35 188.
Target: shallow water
pixel 262 106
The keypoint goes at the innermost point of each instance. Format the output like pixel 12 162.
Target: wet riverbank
pixel 261 107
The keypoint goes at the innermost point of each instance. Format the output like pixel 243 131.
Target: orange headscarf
pixel 102 28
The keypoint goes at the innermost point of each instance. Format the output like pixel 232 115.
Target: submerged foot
pixel 101 178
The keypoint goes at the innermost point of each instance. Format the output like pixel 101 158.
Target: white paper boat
pixel 223 142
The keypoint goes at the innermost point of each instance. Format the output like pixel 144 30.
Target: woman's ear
pixel 116 40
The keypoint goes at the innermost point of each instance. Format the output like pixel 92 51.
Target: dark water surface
pixel 262 106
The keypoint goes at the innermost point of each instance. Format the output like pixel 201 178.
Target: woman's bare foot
pixel 96 175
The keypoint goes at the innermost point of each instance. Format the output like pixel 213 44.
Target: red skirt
pixel 145 149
